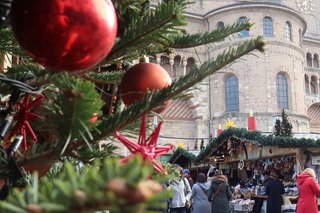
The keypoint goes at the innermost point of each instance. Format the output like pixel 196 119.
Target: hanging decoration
pixel 202 144
pixel 195 147
pixel 219 130
pixel 181 145
pixel 94 118
pixel 229 124
pixel 241 164
pixel 147 148
pixel 143 77
pixel 251 121
pixel 65 35
pixel 24 116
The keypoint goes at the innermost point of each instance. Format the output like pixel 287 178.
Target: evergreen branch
pixel 78 101
pixel 187 41
pixel 118 188
pixel 105 77
pixel 43 76
pixel 99 151
pixel 8 43
pixel 70 109
pixel 149 28
pixel 152 100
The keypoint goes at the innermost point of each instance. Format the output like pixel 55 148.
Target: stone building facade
pixel 285 76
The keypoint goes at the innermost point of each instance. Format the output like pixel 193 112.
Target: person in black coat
pixel 274 190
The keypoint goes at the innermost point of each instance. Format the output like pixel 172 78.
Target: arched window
pixel 282 91
pixel 243 33
pixel 315 61
pixel 232 94
pixel 165 63
pixel 177 66
pixel 309 60
pixel 267 27
pixel 164 60
pixel 220 25
pixel 190 65
pixel 153 59
pixel 288 31
pixel 306 83
pixel 313 85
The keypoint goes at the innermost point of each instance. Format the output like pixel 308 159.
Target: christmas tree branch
pixel 77 109
pixel 192 40
pixel 118 188
pixel 113 77
pixel 8 43
pixel 147 29
pixel 119 120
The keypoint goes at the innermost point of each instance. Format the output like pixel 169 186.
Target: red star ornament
pixel 147 148
pixel 23 116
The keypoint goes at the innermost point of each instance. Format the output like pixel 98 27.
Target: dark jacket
pixel 274 190
pixel 221 198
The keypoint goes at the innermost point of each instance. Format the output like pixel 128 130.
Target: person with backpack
pixel 219 193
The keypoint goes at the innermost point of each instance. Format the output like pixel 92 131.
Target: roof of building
pixel 242 135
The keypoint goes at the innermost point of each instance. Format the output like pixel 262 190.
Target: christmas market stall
pixel 248 157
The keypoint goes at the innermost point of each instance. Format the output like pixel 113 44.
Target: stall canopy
pixel 233 137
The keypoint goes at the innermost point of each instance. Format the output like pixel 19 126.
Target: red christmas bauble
pixel 69 35
pixel 94 117
pixel 143 77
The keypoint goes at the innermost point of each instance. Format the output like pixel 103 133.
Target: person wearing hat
pixel 186 174
pixel 274 190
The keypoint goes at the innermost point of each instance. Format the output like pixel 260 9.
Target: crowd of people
pixel 211 193
pixel 206 195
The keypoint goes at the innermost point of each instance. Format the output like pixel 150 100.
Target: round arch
pixel 314 117
pixel 182 109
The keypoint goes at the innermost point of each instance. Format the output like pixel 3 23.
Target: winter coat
pixel 308 190
pixel 274 190
pixel 200 203
pixel 221 198
pixel 181 193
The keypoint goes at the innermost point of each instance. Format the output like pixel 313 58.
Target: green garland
pixel 244 134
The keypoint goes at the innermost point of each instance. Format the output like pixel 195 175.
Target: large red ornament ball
pixel 68 35
pixel 143 77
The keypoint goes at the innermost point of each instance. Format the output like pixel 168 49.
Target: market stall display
pixel 241 206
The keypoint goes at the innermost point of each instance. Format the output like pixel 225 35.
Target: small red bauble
pixel 94 117
pixel 69 35
pixel 143 77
